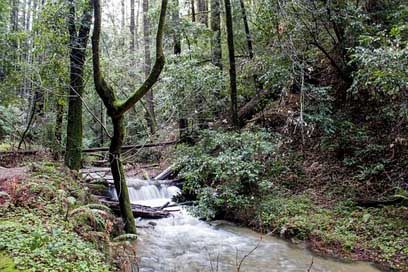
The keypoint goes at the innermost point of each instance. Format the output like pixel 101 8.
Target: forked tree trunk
pixel 117 108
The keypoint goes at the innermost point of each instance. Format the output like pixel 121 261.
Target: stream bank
pixel 182 242
pixel 256 179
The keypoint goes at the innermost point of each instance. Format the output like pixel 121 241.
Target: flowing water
pixel 182 243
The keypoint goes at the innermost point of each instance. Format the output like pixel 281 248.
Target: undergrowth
pixel 48 223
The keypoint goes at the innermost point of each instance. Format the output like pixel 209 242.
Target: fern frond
pixel 82 209
pixel 125 237
pixel 102 207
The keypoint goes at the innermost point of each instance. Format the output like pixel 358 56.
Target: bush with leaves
pixel 233 166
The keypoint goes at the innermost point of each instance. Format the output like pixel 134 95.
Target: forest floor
pixel 46 222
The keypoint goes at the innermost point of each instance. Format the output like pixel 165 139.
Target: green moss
pixel 381 234
pixel 7 263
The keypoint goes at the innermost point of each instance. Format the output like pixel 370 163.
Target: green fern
pixel 94 208
pixel 101 207
pixel 125 237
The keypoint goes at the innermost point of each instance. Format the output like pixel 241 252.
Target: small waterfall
pixel 145 193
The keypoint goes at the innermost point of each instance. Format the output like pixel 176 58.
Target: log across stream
pixel 181 242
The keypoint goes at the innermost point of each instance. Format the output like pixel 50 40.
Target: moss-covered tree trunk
pixel 118 173
pixel 117 108
pixel 74 125
pixel 78 43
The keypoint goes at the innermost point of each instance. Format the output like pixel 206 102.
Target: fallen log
pixel 166 173
pixel 255 105
pixel 377 203
pixel 172 182
pixel 138 210
pixel 128 147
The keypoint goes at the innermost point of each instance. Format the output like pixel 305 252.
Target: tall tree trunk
pixel 122 4
pixel 258 85
pixel 216 49
pixel 27 22
pixel 176 23
pixel 150 115
pixel 203 11
pixel 193 14
pixel 246 28
pixel 14 15
pixel 117 108
pixel 232 69
pixel 24 12
pixel 183 123
pixel 132 26
pixel 78 43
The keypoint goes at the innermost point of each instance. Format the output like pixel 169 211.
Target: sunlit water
pixel 182 243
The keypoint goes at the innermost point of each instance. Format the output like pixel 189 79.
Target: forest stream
pixel 185 243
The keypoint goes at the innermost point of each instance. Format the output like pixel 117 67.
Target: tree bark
pixel 216 49
pixel 132 25
pixel 232 69
pixel 203 11
pixel 176 22
pixel 78 44
pixel 183 123
pixel 150 115
pixel 246 28
pixel 117 108
pixel 193 14
pixel 14 15
pixel 118 174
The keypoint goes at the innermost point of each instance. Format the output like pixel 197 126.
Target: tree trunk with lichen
pixel 115 151
pixel 78 43
pixel 117 108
